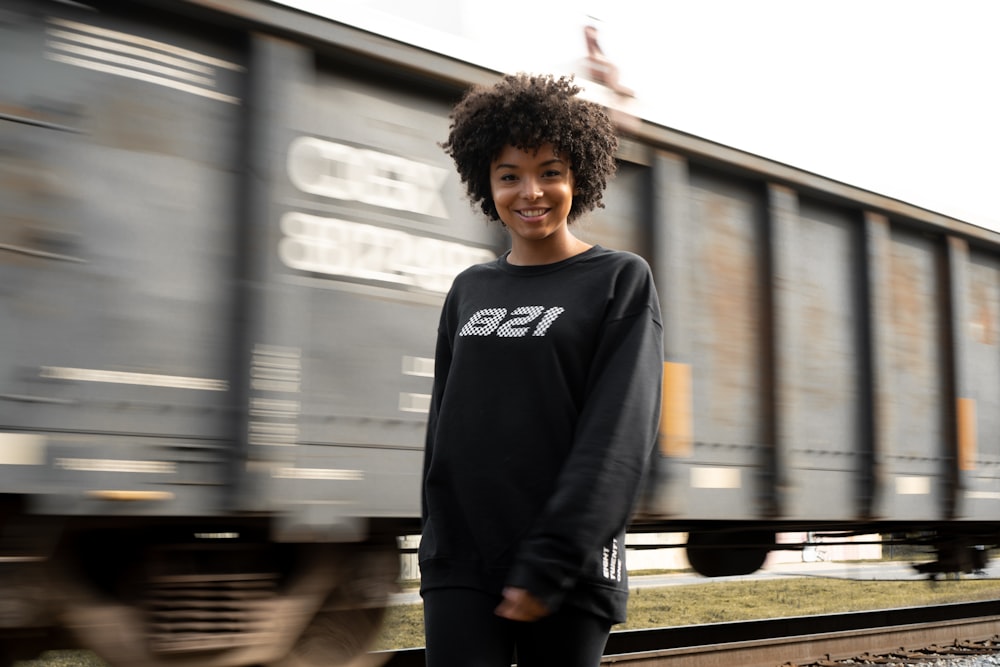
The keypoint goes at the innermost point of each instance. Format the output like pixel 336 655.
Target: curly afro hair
pixel 526 112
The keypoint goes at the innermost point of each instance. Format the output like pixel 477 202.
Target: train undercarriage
pixel 209 595
pixel 222 594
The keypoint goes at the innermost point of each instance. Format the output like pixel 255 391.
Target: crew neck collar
pixel 534 269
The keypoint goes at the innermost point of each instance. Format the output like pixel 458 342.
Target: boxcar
pixel 226 231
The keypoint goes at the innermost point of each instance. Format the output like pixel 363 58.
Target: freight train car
pixel 226 230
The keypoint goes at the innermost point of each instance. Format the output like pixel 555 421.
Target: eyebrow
pixel 505 165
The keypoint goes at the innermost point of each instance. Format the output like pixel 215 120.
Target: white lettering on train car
pixel 274 421
pixel 336 171
pixel 134 57
pixel 418 366
pixel 320 473
pixel 342 248
pixel 22 449
pixel 715 478
pixel 983 495
pixel 117 465
pixel 410 402
pixel 913 485
pixel 141 379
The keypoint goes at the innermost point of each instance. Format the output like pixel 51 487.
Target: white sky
pixel 901 97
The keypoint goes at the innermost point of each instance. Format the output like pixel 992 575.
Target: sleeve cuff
pixel 550 590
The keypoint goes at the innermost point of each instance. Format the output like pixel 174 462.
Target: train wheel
pixel 728 554
pixel 310 605
pixel 341 633
pixel 338 639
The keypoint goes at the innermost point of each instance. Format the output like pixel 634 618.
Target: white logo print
pixel 486 321
pixel 611 562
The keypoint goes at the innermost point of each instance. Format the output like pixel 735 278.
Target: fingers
pixel 520 605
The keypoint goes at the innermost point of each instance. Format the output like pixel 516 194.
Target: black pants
pixel 461 630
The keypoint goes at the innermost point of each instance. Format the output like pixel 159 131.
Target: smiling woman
pixel 218 369
pixel 533 195
pixel 527 112
pixel 546 395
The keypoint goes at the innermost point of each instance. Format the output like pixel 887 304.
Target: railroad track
pixel 801 640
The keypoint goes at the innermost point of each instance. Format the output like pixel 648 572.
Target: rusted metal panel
pixel 917 452
pixel 980 329
pixel 118 189
pixel 724 236
pixel 725 306
pixel 621 224
pixel 819 360
pixel 708 234
pixel 118 214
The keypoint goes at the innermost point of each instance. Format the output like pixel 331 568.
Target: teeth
pixel 533 213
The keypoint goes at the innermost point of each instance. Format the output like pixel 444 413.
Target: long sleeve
pixel 598 485
pixel 544 410
pixel 442 364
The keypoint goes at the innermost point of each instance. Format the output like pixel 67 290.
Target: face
pixel 532 192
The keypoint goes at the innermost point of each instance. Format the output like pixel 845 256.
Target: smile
pixel 532 212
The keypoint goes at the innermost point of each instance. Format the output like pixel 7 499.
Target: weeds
pixel 722 602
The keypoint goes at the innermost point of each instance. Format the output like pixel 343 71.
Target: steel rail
pixel 798 640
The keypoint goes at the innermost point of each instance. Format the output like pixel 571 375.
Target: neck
pixel 554 250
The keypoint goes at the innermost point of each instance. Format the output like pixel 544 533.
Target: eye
pixel 508 177
pixel 552 173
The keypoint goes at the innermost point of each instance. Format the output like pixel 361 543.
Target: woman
pixel 546 395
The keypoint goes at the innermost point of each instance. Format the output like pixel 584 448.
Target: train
pixel 226 231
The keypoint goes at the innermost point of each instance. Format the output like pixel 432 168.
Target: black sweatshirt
pixel 545 408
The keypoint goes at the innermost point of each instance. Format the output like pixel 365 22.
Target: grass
pixel 717 602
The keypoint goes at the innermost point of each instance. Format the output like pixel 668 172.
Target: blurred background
pixel 227 228
pixel 906 84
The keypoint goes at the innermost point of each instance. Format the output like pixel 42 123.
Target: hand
pixel 520 605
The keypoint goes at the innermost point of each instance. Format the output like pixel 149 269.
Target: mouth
pixel 532 213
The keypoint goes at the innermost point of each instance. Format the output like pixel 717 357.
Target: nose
pixel 531 188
